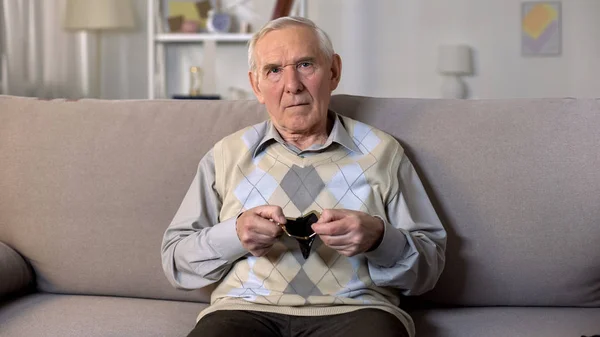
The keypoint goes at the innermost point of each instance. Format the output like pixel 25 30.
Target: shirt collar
pixel 338 134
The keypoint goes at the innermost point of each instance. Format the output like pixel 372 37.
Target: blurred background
pixel 139 49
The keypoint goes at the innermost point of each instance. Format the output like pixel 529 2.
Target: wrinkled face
pixel 293 79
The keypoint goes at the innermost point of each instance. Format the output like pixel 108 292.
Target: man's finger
pixel 271 212
pixel 336 241
pixel 266 228
pixel 338 227
pixel 266 239
pixel 329 215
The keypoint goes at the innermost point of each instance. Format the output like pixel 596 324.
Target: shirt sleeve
pixel 197 249
pixel 411 255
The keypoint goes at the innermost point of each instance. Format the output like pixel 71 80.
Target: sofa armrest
pixel 15 273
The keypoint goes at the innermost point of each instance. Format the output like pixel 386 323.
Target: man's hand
pixel 256 231
pixel 349 232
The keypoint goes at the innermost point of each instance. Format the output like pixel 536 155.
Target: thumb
pixel 330 215
pixel 271 212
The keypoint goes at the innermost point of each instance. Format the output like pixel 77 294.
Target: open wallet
pixel 301 230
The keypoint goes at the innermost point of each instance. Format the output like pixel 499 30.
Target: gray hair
pixel 325 44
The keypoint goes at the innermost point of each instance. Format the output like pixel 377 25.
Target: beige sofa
pixel 88 187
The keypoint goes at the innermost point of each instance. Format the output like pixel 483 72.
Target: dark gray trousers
pixel 363 322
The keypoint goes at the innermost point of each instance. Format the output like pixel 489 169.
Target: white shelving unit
pixel 158 42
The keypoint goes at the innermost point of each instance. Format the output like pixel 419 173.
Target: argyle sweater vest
pixel 282 280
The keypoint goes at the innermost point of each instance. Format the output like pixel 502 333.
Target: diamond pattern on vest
pixel 302 185
pixel 255 189
pixel 364 137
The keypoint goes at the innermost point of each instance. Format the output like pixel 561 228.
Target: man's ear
pixel 253 77
pixel 336 71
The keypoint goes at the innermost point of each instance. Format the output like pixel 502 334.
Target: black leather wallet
pixel 300 229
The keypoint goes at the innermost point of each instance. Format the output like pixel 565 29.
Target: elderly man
pixel 312 222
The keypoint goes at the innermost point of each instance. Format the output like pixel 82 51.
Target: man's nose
pixel 292 80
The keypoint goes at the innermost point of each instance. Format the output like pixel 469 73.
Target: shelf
pixel 201 37
pixel 161 42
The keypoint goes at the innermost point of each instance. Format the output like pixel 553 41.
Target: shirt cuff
pixel 391 248
pixel 224 239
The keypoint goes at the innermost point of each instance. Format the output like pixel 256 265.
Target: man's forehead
pixel 287 43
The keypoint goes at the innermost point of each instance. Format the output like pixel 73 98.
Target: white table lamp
pixel 454 61
pixel 94 16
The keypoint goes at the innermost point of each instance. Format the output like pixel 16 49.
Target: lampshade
pixel 454 59
pixel 98 14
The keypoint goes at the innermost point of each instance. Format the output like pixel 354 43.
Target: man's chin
pixel 298 123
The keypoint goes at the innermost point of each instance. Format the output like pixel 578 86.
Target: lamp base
pixel 454 87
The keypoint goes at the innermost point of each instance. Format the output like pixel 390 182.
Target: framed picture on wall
pixel 541 29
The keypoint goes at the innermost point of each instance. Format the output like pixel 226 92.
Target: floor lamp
pixel 93 17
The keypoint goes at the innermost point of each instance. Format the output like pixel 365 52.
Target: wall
pixel 389 48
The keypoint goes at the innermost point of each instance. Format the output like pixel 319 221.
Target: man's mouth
pixel 297 104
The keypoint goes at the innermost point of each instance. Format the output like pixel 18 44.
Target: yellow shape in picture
pixel 183 8
pixel 538 19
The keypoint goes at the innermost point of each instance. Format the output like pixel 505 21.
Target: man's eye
pixel 304 64
pixel 274 70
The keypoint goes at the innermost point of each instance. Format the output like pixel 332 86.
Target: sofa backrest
pixel 517 185
pixel 87 189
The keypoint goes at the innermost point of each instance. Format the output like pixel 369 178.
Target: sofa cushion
pixel 68 315
pixel 14 271
pixel 507 321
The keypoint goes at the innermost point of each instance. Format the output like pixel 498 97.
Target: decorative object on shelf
pixel 187 17
pixel 282 8
pixel 189 26
pixel 540 28
pixel 195 81
pixel 245 27
pixel 454 61
pixel 94 16
pixel 218 20
pixel 203 7
pixel 175 23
